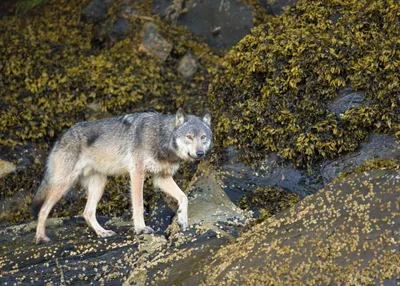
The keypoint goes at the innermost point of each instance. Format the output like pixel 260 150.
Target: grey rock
pixel 241 179
pixel 120 30
pixel 378 146
pixel 208 204
pixel 153 43
pixel 95 11
pixel 232 19
pixel 188 65
pixel 276 7
pixel 6 168
pixel 126 11
pixel 347 98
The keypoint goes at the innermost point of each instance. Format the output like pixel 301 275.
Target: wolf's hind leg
pixel 54 194
pixel 94 185
pixel 168 186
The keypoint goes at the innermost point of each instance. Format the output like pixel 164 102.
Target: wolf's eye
pixel 189 137
pixel 203 137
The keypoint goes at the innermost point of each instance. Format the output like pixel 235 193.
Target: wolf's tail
pixel 40 197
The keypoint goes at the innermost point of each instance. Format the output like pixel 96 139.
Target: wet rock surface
pixel 76 255
pixel 232 19
pixel 240 178
pixel 6 168
pixel 153 43
pixel 188 65
pixel 346 99
pixel 377 146
pixel 345 233
pixel 95 11
pixel 276 7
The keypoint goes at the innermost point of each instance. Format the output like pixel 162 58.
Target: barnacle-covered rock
pixel 347 233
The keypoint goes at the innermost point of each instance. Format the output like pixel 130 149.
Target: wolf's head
pixel 192 136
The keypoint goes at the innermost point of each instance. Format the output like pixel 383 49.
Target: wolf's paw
pixel 42 239
pixel 144 230
pixel 107 233
pixel 182 222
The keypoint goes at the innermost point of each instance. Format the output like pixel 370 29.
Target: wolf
pixel 134 144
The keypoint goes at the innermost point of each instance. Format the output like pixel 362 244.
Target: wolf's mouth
pixel 195 158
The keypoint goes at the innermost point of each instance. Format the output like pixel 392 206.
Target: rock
pixel 120 30
pixel 153 43
pixel 188 65
pixel 94 106
pixel 240 179
pixel 345 233
pixel 378 146
pixel 208 204
pixel 24 156
pixel 276 7
pixel 126 11
pixel 232 19
pixel 81 256
pixel 6 168
pixel 107 33
pixel 347 98
pixel 95 11
pixel 74 251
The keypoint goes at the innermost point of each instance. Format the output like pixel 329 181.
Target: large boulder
pixel 222 23
pixel 347 233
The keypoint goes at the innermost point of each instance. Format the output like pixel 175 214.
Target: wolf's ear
pixel 207 117
pixel 180 117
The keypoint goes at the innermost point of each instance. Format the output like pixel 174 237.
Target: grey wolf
pixel 133 144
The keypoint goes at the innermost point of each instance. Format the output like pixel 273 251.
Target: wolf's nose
pixel 200 153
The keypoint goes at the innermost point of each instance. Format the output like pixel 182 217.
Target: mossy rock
pixel 275 85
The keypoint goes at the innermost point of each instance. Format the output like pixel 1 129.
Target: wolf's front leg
pixel 137 179
pixel 168 186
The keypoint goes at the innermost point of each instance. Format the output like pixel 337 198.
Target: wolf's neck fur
pixel 167 152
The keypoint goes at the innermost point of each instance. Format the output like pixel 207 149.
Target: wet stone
pixel 6 168
pixel 222 23
pixel 126 11
pixel 276 7
pixel 95 11
pixel 188 65
pixel 120 30
pixel 346 99
pixel 378 146
pixel 153 43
